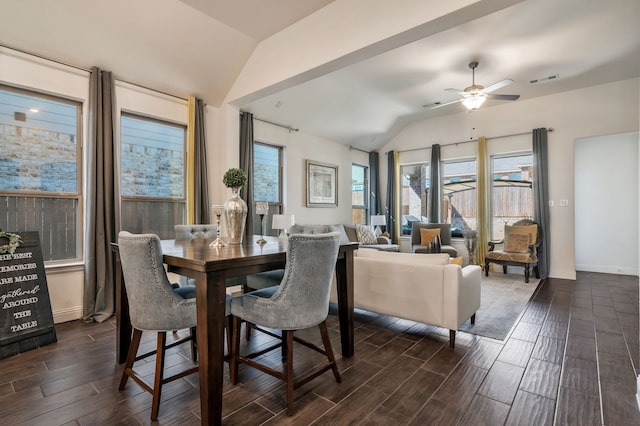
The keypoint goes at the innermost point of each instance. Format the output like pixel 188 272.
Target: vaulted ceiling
pixel 200 47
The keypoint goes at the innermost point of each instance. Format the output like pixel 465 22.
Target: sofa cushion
pixel 531 230
pixel 340 229
pixel 517 243
pixel 427 235
pixel 366 235
pixel 423 259
pixel 456 261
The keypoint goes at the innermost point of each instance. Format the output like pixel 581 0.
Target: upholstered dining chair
pixel 520 247
pixel 301 301
pixel 154 305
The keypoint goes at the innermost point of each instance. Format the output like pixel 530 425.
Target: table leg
pixel 210 299
pixel 344 282
pixel 123 321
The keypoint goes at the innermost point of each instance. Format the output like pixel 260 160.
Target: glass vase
pixel 235 211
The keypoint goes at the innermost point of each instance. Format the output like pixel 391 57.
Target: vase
pixel 235 211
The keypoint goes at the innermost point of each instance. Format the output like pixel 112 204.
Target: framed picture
pixel 322 184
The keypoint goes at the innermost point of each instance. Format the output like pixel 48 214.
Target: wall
pixel 598 110
pixel 606 206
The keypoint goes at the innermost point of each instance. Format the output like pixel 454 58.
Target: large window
pixel 459 201
pixel 152 175
pixel 511 193
pixel 359 194
pixel 40 165
pixel 267 183
pixel 414 181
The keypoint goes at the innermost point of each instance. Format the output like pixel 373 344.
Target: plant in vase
pixel 235 209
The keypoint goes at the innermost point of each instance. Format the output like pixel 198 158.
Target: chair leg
pixel 536 270
pixel 526 273
pixel 289 340
pixel 194 344
pixel 131 357
pixel 504 269
pixel 157 382
pixel 452 339
pixel 329 350
pixel 473 319
pixel 486 268
pixel 235 350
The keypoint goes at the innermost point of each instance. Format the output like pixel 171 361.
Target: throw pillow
pixel 366 235
pixel 517 243
pixel 532 230
pixel 456 261
pixel 427 234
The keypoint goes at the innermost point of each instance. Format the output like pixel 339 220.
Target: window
pixel 359 194
pixel 152 175
pixel 267 183
pixel 459 195
pixel 414 181
pixel 40 165
pixel 511 193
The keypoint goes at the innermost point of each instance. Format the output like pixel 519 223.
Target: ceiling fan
pixel 475 95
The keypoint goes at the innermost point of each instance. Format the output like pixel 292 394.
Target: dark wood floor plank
pixel 445 360
pixel 460 388
pixel 529 409
pixel 516 352
pixel 485 411
pixel 541 378
pixel 409 398
pixel 501 383
pixel 395 374
pixel 355 408
pixel 526 331
pixel 577 408
pixel 581 375
pixel 549 349
pixel 619 405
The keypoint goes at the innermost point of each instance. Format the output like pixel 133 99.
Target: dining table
pixel 211 267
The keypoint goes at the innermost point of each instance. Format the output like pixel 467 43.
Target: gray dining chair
pixel 301 301
pixel 154 305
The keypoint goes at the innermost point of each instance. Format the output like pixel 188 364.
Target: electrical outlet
pixel 564 203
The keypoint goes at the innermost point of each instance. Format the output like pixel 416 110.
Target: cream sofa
pixel 419 287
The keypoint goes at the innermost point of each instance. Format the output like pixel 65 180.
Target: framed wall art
pixel 322 184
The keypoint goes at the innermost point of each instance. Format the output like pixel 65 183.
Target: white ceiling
pixel 198 47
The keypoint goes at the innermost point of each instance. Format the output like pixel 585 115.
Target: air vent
pixel 540 80
pixel 20 116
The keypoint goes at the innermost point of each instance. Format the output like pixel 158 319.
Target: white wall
pixel 598 110
pixel 606 204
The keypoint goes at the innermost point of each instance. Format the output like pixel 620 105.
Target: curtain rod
pixel 289 128
pixel 474 140
pixel 358 149
pixel 87 70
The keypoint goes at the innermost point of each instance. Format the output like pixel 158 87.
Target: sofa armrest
pixel 383 240
pixel 462 294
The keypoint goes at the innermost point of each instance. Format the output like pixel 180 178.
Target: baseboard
pixel 607 269
pixel 638 392
pixel 67 314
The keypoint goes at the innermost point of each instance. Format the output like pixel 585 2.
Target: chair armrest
pixel 492 244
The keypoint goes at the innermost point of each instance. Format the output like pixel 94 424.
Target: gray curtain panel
pixel 391 196
pixel 201 202
pixel 541 196
pixel 375 204
pixel 435 187
pixel 102 201
pixel 246 164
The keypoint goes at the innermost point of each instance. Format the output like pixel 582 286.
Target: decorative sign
pixel 26 321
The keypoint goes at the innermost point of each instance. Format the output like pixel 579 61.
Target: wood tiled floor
pixel 571 359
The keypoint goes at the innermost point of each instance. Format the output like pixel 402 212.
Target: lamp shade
pixel 378 219
pixel 282 221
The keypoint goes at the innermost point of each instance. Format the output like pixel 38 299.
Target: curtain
pixel 246 164
pixel 102 200
pixel 541 196
pixel 201 191
pixel 375 205
pixel 435 187
pixel 483 192
pixel 392 170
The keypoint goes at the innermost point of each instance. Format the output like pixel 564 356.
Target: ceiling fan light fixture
pixel 473 102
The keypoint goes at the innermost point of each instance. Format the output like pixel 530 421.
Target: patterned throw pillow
pixel 427 234
pixel 366 235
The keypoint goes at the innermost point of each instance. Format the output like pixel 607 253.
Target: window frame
pixel 274 207
pixel 77 194
pixel 454 231
pixel 365 195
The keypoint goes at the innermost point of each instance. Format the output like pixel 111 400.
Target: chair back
pixel 153 304
pixel 445 232
pixel 190 232
pixel 302 300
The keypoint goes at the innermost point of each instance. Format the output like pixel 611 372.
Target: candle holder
pixel 262 208
pixel 217 210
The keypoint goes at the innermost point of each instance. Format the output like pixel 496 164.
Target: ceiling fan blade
pixel 441 104
pixel 503 97
pixel 498 85
pixel 457 91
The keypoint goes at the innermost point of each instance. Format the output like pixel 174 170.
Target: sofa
pixel 423 288
pixel 348 234
pixel 445 238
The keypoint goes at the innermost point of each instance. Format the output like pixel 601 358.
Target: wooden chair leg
pixel 486 268
pixel 526 273
pixel 194 344
pixel 289 340
pixel 504 269
pixel 452 339
pixel 131 357
pixel 235 350
pixel 324 332
pixel 473 319
pixel 157 382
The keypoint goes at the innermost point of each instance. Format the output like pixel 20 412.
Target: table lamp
pixel 283 222
pixel 217 210
pixel 262 208
pixel 377 220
